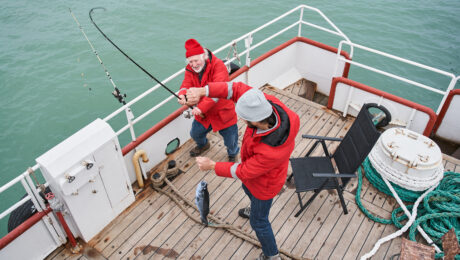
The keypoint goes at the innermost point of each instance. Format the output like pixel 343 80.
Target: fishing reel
pixel 120 97
pixel 188 113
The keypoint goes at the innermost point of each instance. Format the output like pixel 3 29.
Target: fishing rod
pixel 116 92
pixel 126 55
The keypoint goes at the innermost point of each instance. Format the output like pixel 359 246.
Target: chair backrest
pixel 356 144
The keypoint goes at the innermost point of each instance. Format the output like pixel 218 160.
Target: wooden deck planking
pixel 163 228
pixel 316 223
pixel 222 154
pixel 121 246
pixel 155 228
pixel 312 127
pixel 219 187
pixel 58 253
pixel 394 248
pixel 204 233
pixel 120 224
pixel 374 235
pixel 358 240
pixel 144 220
pixel 334 236
pixel 143 217
pixel 450 166
pixel 294 201
pixel 347 236
pixel 325 228
pixel 389 204
pixel 212 182
pixel 380 254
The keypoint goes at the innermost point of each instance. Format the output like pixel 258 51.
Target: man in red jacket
pixel 210 113
pixel 267 145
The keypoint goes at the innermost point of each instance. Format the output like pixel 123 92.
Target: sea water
pixel 52 84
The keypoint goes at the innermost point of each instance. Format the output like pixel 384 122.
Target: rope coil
pixel 439 212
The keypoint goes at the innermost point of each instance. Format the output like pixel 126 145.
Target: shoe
pixel 245 212
pixel 263 257
pixel 232 158
pixel 197 150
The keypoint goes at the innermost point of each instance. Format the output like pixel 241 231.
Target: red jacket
pixel 264 156
pixel 220 113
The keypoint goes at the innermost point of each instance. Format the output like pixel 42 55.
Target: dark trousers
pixel 230 135
pixel 260 224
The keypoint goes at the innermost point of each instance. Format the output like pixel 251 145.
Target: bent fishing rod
pixel 116 93
pixel 126 55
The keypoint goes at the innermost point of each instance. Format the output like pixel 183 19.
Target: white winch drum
pixel 408 159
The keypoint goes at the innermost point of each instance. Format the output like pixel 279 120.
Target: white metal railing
pixel 445 93
pixel 24 178
pixel 249 47
pixel 32 191
pixel 32 194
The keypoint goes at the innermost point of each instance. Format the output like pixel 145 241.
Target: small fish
pixel 202 201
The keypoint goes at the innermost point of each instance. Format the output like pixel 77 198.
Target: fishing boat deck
pixel 155 228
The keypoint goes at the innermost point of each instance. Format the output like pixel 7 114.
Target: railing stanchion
pixel 347 103
pixel 451 86
pixel 300 22
pixel 130 117
pixel 247 44
pixel 336 66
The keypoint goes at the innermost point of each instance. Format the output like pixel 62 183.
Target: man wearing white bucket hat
pixel 267 145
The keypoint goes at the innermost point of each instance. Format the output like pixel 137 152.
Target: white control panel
pixel 88 174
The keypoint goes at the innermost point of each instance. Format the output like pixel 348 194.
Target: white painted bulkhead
pixel 35 243
pixel 155 145
pixel 296 61
pixel 449 129
pixel 402 115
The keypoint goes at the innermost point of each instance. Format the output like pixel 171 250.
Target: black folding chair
pixel 317 173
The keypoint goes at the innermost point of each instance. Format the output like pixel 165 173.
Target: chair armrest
pixel 322 137
pixel 333 175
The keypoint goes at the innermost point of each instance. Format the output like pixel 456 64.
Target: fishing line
pixel 116 93
pixel 126 55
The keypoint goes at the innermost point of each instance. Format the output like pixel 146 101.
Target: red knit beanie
pixel 192 47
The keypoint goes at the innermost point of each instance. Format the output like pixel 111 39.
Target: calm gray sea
pixel 52 85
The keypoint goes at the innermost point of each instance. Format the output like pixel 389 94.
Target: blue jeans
pixel 260 224
pixel 230 135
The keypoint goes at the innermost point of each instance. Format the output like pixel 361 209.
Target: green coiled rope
pixel 439 212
